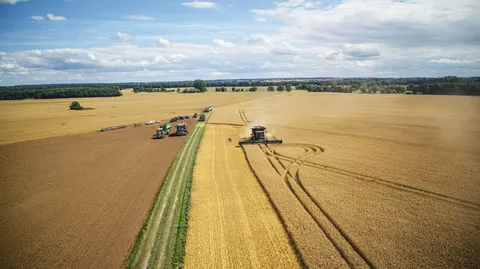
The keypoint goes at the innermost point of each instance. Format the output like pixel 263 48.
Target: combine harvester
pixel 258 137
pixel 164 130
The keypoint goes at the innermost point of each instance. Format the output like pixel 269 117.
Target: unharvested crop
pixel 391 181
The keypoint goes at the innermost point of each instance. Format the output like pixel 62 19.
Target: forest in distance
pixel 448 85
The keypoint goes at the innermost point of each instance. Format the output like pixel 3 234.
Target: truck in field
pixel 208 109
pixel 202 117
pixel 181 129
pixel 164 130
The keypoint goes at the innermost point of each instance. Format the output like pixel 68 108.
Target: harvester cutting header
pixel 258 137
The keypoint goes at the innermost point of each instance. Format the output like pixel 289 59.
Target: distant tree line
pixel 19 93
pixel 144 89
pixel 460 88
pixel 441 85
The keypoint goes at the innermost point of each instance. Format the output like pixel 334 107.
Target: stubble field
pixel 231 222
pixel 79 201
pixel 385 181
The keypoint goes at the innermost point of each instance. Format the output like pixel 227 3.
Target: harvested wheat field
pixel 391 181
pixel 231 222
pixel 34 119
pixel 79 201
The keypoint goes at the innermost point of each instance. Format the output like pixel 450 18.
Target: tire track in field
pixel 347 249
pixel 244 117
pixel 389 184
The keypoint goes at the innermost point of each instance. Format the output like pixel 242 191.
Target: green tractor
pixel 163 130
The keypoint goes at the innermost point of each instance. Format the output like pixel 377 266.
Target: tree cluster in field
pixel 29 92
pixel 75 106
pixel 143 89
pixel 233 89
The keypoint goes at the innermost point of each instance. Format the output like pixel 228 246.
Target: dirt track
pixel 79 201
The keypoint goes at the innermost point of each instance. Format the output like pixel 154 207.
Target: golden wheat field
pixel 386 181
pixel 231 222
pixel 35 119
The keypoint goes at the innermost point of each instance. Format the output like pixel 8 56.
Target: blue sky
pixel 69 41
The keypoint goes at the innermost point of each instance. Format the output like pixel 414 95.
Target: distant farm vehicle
pixel 181 129
pixel 208 109
pixel 150 122
pixel 195 115
pixel 258 137
pixel 164 130
pixel 174 119
pixel 113 128
pixel 202 117
pixel 187 117
pixel 137 124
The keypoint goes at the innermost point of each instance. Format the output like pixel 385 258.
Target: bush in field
pixel 289 88
pixel 200 85
pixel 280 89
pixel 75 106
pixel 271 89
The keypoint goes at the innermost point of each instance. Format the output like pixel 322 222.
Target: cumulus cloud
pixel 91 56
pixel 159 59
pixel 177 57
pixel 199 4
pixel 164 43
pixel 73 61
pixel 222 44
pixel 37 18
pixel 11 2
pixel 397 23
pixel 452 61
pixel 282 48
pixel 139 17
pixel 56 18
pixel 119 36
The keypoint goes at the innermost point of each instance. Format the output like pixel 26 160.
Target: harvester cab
pixel 259 137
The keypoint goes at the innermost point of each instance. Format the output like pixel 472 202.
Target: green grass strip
pixel 180 228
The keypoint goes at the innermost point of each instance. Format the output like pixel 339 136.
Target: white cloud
pixel 56 18
pixel 260 19
pixel 139 17
pixel 451 61
pixel 119 36
pixel 199 4
pixel 11 2
pixel 282 48
pixel 164 43
pixel 159 59
pixel 177 57
pixel 73 61
pixel 393 22
pixel 219 74
pixel 37 18
pixel 91 56
pixel 222 44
